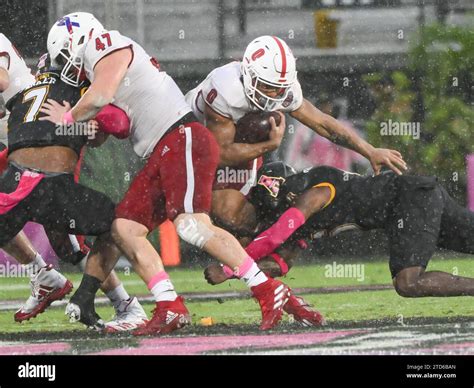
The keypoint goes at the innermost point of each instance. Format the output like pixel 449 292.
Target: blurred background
pixel 366 62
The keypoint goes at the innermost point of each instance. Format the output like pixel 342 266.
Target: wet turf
pixel 349 314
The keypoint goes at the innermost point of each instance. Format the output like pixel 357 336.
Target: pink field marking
pixel 198 345
pixel 27 349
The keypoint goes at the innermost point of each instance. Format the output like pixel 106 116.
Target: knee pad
pixel 193 231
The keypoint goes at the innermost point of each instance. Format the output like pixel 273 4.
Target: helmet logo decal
pixel 257 54
pixel 66 20
pixel 271 183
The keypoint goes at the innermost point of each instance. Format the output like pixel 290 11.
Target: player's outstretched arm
pixel 306 205
pixel 234 154
pixel 275 265
pixel 338 133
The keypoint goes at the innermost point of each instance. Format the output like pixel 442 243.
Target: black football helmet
pixel 266 195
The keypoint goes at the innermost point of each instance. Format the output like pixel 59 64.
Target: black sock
pixel 87 290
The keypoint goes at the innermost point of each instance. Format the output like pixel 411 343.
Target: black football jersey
pixel 24 127
pixel 360 202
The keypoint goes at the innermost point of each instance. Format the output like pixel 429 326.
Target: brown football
pixel 255 127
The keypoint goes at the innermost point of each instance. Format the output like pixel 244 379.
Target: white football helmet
pixel 67 42
pixel 268 63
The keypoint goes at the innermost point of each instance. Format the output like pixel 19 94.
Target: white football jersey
pixel 150 97
pixel 223 91
pixel 19 74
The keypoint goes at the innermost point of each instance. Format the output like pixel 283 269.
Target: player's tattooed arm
pixel 332 129
pixel 234 154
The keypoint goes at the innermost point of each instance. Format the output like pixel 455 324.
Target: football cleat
pixel 167 317
pixel 129 315
pixel 272 296
pixel 47 285
pixel 303 313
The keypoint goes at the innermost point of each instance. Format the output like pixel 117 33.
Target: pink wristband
pixel 67 118
pixel 228 271
pixel 282 263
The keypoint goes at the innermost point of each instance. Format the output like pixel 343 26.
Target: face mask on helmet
pixel 72 71
pixel 265 95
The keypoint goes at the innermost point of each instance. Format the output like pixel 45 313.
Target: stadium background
pixel 400 60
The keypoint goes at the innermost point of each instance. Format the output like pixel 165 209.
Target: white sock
pixel 33 267
pixel 254 276
pixel 164 290
pixel 117 295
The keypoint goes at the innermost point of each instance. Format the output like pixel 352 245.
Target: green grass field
pixel 337 307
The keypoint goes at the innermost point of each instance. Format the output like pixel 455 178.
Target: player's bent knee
pixel 406 282
pixel 405 287
pixel 193 230
pixel 121 228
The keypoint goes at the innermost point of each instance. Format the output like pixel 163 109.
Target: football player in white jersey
pixel 14 77
pixel 266 80
pixel 47 284
pixel 176 182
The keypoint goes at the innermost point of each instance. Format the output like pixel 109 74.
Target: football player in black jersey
pixel 39 186
pixel 416 213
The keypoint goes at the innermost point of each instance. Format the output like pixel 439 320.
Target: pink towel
pixel 28 181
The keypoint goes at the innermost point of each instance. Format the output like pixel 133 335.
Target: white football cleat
pixel 129 315
pixel 47 285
